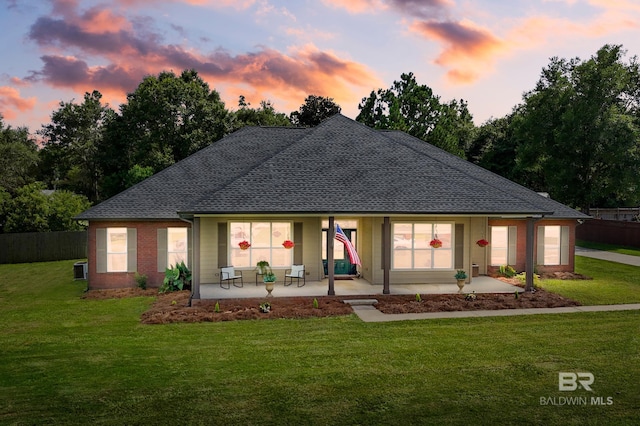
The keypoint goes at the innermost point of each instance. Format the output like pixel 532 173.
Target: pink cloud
pixel 357 6
pixel 467 48
pixel 132 52
pixel 11 102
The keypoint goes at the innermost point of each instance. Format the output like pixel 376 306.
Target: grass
pixel 613 283
pixel 633 251
pixel 66 360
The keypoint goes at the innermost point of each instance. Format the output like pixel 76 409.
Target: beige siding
pixel 479 229
pixel 311 247
pixel 369 246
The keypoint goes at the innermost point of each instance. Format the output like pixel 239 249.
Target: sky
pixel 486 52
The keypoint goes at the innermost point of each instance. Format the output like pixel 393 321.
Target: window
pixel 553 245
pixel 266 240
pixel 411 249
pixel 116 249
pixel 177 248
pixel 503 245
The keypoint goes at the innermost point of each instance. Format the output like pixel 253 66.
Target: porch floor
pixel 354 287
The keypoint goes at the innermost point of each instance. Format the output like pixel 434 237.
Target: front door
pixel 341 263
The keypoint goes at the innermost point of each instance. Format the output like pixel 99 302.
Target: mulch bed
pixel 174 307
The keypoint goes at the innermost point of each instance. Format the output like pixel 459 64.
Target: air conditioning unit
pixel 80 270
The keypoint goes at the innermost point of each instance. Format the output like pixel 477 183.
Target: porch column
pixel 386 254
pixel 195 261
pixel 529 254
pixel 331 232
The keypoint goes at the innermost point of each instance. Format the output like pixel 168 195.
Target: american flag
pixel 353 255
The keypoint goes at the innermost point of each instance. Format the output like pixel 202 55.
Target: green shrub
pixel 522 277
pixel 418 297
pixel 507 271
pixel 217 308
pixel 141 280
pixel 176 278
pixel 315 303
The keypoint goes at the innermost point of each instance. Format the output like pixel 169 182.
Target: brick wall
pixel 521 243
pixel 147 258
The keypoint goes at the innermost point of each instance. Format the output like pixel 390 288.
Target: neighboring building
pixel 390 192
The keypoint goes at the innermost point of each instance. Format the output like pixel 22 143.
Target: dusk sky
pixel 487 52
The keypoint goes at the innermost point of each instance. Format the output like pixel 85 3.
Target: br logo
pixel 573 381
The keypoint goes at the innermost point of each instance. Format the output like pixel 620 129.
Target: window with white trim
pixel 116 249
pixel 503 245
pixel 553 245
pixel 177 248
pixel 266 240
pixel 412 249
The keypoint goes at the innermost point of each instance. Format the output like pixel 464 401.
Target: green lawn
pixel 613 283
pixel 633 251
pixel 66 360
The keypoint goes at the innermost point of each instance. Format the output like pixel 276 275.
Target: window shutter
pixel 459 246
pixel 540 251
pixel 222 244
pixel 162 249
pixel 189 248
pixel 132 249
pixel 297 238
pixel 564 245
pixel 101 250
pixel 512 255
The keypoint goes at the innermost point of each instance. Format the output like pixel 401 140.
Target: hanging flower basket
pixel 288 244
pixel 435 243
pixel 244 245
pixel 482 242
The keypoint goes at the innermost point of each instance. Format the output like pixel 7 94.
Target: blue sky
pixel 487 52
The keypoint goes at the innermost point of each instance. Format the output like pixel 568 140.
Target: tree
pixel 166 119
pixel 33 210
pixel 578 130
pixel 414 109
pixel 494 147
pixel 63 207
pixel 71 145
pixel 28 210
pixel 314 110
pixel 18 157
pixel 266 115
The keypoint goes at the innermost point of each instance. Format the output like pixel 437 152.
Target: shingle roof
pixel 338 167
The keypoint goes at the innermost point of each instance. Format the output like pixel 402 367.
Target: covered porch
pixel 352 287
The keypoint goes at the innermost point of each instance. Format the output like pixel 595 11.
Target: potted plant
pixel 262 267
pixel 268 277
pixel 460 277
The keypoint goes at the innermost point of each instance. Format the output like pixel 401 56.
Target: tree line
pixel 574 135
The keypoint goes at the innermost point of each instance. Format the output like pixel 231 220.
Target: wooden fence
pixel 610 232
pixel 620 213
pixel 43 246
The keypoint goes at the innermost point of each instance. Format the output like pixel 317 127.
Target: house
pixel 391 193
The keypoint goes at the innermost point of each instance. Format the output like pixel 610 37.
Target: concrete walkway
pixel 368 313
pixel 608 255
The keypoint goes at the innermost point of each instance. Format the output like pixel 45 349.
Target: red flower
pixel 244 245
pixel 435 243
pixel 482 242
pixel 288 244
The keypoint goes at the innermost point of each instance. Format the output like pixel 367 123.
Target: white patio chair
pixel 297 272
pixel 229 275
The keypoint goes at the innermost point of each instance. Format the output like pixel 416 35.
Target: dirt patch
pixel 398 304
pixel 174 307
